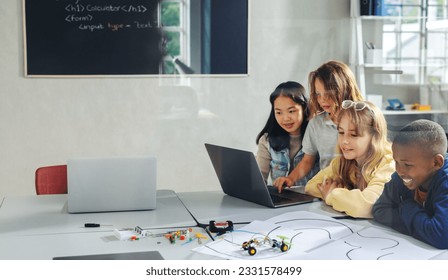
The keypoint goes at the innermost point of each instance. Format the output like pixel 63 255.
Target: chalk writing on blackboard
pixel 76 14
pixel 92 37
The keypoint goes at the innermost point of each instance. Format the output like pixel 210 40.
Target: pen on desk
pixel 91 225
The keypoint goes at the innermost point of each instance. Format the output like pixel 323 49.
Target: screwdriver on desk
pixel 94 225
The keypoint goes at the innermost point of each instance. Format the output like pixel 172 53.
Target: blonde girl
pixel 354 180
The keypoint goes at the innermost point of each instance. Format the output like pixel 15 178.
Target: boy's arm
pixel 430 229
pixel 386 208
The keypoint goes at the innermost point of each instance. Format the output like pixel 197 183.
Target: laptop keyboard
pixel 279 199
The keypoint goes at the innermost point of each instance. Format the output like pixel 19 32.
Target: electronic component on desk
pixel 220 227
pixel 138 233
pixel 183 234
pixel 200 236
pixel 129 234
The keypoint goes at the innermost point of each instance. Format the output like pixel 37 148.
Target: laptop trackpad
pixel 289 194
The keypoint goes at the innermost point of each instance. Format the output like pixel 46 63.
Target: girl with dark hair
pixel 280 141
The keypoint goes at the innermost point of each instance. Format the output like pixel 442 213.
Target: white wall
pixel 44 121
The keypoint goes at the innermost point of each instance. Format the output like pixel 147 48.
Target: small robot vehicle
pixel 250 245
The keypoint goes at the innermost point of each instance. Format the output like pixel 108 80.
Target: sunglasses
pixel 356 105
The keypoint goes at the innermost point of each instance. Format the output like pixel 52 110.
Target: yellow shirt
pixel 355 203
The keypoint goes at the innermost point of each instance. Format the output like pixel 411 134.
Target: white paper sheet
pixel 313 236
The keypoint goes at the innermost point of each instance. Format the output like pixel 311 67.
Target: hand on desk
pixel 327 186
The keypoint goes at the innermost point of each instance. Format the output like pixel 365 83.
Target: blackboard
pixel 91 37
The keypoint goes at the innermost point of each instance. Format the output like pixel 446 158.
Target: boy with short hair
pixel 415 201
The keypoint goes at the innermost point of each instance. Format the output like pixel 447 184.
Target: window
pixel 173 21
pixel 409 46
pixel 204 36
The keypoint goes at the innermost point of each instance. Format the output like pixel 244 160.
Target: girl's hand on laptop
pixel 283 182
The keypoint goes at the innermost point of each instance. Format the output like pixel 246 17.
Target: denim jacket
pixel 280 165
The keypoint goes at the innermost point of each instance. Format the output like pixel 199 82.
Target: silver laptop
pixel 111 184
pixel 240 176
pixel 146 255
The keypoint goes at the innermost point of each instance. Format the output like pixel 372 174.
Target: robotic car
pixel 250 245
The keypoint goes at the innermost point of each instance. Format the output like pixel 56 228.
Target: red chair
pixel 51 179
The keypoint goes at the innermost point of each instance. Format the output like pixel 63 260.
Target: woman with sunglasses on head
pixel 354 180
pixel 280 141
pixel 330 84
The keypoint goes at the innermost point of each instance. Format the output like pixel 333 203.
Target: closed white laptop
pixel 111 184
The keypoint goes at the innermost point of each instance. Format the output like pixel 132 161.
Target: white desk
pixel 39 227
pixel 206 206
pixel 48 246
pixel 47 214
